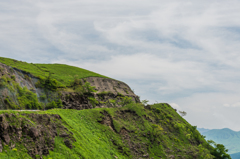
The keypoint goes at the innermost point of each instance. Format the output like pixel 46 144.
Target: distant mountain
pixel 229 138
pixel 203 130
pixel 235 155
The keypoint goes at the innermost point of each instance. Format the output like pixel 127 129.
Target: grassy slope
pixel 230 139
pixel 166 129
pixel 62 73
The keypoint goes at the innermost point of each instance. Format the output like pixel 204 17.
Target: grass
pixel 64 74
pixel 158 129
pixel 155 129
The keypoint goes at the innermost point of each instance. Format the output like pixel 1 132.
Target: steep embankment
pixel 64 74
pixel 49 90
pixel 133 131
pixel 119 126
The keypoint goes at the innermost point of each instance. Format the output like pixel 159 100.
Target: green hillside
pixel 156 131
pixel 89 125
pixel 229 138
pixel 64 74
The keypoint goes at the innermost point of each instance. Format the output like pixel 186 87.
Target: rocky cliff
pixel 108 91
pixel 81 114
pixel 35 132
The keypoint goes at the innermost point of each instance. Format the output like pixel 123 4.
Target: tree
pixel 145 102
pixel 219 150
pixel 182 113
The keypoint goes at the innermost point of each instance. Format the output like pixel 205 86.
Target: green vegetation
pixel 10 104
pixel 93 101
pixel 145 102
pixel 27 99
pixel 85 88
pixel 219 150
pixel 112 101
pixel 54 104
pixel 229 138
pixel 157 128
pixel 64 74
pixel 88 89
pixel 125 100
pixel 48 83
pixel 135 130
pixel 104 93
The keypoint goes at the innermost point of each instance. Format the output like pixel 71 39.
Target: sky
pixel 185 53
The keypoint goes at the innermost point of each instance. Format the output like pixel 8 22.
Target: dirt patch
pixel 107 120
pixel 34 131
pixel 129 138
pixel 75 101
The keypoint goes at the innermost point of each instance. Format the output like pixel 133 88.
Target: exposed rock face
pixel 110 85
pixel 36 134
pixel 107 89
pixel 107 120
pixel 79 102
pixel 136 148
pixel 1 147
pixel 75 101
pixel 19 76
pixel 24 79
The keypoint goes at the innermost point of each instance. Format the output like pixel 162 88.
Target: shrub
pixel 93 101
pixel 48 83
pixel 76 82
pixel 54 104
pixel 125 89
pixel 26 77
pixel 145 102
pixel 11 70
pixel 104 93
pixel 4 78
pixel 10 104
pixel 79 89
pixel 125 100
pixel 13 77
pixel 2 83
pixel 179 126
pixel 88 88
pixel 43 97
pixel 169 116
pixel 51 105
pixel 85 88
pixel 112 101
pixel 59 103
pixel 218 150
pixel 119 94
pixel 27 99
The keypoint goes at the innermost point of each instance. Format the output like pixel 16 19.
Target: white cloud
pixel 237 104
pixel 175 106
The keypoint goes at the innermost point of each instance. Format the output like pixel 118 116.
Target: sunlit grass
pixel 64 74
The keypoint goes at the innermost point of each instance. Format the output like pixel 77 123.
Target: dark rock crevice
pixel 36 132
